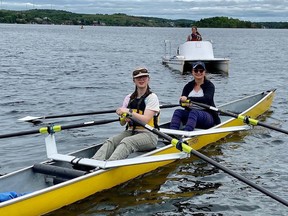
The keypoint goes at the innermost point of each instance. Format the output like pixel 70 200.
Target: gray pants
pixel 123 144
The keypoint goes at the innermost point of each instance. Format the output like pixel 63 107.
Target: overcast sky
pixel 248 10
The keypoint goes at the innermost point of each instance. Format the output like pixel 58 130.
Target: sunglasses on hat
pixel 140 72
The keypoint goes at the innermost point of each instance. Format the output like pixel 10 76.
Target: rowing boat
pixel 65 179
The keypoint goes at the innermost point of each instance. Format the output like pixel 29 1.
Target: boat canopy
pixel 196 50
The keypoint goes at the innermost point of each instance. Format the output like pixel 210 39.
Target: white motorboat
pixel 193 51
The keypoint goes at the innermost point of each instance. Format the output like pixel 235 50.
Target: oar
pixel 182 146
pixel 245 119
pixel 34 119
pixel 57 128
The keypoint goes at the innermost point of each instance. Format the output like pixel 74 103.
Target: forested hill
pixel 58 17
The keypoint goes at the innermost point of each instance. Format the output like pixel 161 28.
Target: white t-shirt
pixel 151 102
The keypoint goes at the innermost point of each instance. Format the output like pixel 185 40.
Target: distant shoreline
pixel 59 17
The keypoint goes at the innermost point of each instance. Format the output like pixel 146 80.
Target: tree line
pixel 58 17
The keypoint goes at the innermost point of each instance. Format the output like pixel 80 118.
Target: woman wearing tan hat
pixel 202 90
pixel 143 105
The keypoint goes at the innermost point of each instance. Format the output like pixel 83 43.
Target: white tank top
pixel 196 94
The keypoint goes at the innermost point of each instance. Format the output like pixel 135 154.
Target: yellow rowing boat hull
pixel 54 197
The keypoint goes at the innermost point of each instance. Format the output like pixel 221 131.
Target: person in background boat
pixel 195 35
pixel 142 104
pixel 202 90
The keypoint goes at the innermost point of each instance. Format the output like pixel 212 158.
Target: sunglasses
pixel 198 70
pixel 141 71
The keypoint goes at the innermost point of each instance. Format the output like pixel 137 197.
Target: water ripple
pixel 62 69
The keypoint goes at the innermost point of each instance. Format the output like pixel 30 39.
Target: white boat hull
pixel 191 52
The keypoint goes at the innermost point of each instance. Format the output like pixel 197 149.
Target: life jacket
pixel 138 105
pixel 194 37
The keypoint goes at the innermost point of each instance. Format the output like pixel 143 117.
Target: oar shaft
pixel 215 109
pixel 19 134
pixel 86 124
pixel 239 177
pixel 168 106
pixel 36 119
pixel 272 127
pixel 80 114
pixel 245 119
pixel 57 128
pixel 190 150
pixel 100 112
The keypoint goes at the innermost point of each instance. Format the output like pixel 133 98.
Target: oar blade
pixel 29 118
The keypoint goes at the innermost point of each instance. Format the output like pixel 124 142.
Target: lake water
pixel 47 70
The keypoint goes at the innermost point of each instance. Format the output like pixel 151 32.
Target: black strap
pixel 155 119
pixel 138 106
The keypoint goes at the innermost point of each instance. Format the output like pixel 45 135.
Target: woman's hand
pixel 121 110
pixel 183 99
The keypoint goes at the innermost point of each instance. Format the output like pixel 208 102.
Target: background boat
pixel 191 52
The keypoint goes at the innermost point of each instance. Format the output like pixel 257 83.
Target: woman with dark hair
pixel 143 105
pixel 195 35
pixel 201 90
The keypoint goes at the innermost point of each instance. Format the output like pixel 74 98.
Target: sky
pixel 246 10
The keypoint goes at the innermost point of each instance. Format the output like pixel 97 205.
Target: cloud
pixel 249 10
